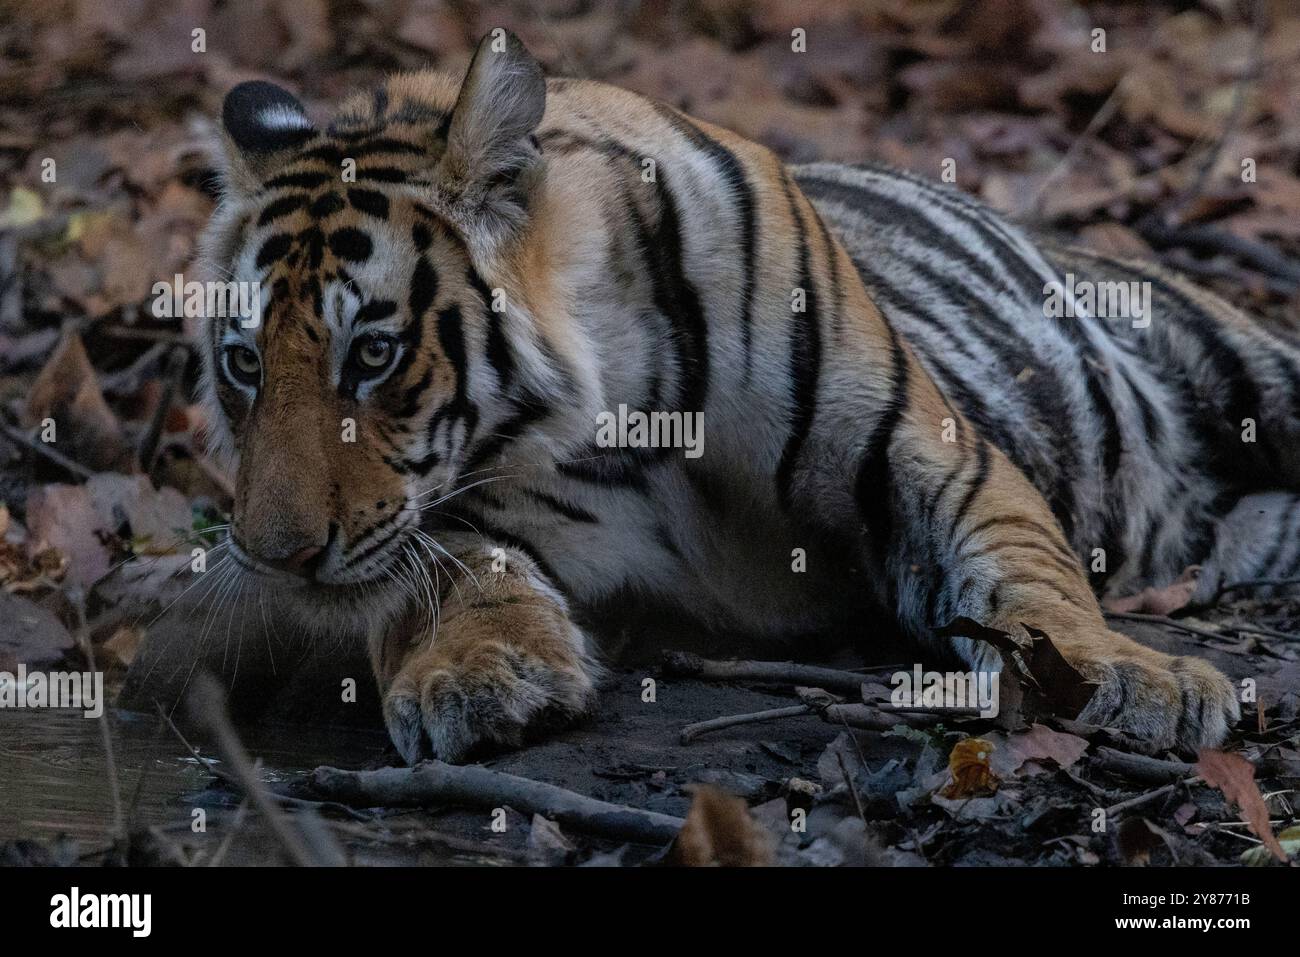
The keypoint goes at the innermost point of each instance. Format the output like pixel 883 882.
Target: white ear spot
pixel 282 117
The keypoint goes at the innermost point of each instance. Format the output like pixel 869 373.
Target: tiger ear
pixel 264 123
pixel 492 164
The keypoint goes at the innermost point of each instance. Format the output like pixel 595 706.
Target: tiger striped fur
pixel 507 266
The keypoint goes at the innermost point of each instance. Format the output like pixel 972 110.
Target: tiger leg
pixel 1257 541
pixel 954 530
pixel 503 659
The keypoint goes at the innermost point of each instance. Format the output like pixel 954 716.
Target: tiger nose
pixel 303 562
pixel 303 557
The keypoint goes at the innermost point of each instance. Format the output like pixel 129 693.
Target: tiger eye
pixel 244 364
pixel 375 353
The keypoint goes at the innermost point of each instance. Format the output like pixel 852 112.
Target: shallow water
pixel 54 785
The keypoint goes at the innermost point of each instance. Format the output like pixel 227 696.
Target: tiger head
pixel 383 361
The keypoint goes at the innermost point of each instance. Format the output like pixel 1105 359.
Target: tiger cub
pixel 477 293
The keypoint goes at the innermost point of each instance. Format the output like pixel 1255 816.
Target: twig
pixel 1167 622
pixel 1251 75
pixel 1143 799
pixel 435 782
pixel 78 600
pixel 173 369
pixel 853 788
pixel 867 718
pixel 208 763
pixel 685 665
pixel 1139 767
pixel 1262 630
pixel 43 450
pixel 693 731
pixel 1033 205
pixel 240 813
pixel 1254 583
pixel 207 707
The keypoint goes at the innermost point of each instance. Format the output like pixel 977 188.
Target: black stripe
pixel 734 173
pixel 873 489
pixel 382 174
pixel 676 298
pixel 282 207
pixel 301 180
pixel 572 512
pixel 805 359
pixel 369 201
pixel 977 483
pixel 527 411
pixel 327 204
pixel 498 352
pixel 273 249
pixel 350 244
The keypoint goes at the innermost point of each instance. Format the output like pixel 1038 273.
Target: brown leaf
pixel 1159 601
pixel 1021 751
pixel 1235 777
pixel 67 391
pixel 972 774
pixel 719 832
pixel 1041 681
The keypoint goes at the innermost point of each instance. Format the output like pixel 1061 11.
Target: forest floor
pixel 1178 140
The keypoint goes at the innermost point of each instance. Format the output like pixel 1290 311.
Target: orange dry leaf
pixel 719 832
pixel 969 766
pixel 1235 777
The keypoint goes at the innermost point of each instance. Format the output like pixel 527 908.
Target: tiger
pixel 464 277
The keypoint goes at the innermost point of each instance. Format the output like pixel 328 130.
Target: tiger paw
pixel 1171 702
pixel 453 697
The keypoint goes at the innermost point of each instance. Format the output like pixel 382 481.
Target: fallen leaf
pixel 67 392
pixel 1262 855
pixel 719 832
pixel 1235 777
pixel 972 774
pixel 547 844
pixel 1042 681
pixel 1020 751
pixel 1159 601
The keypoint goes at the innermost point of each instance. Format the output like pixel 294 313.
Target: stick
pixel 870 719
pixel 173 369
pixel 207 707
pixel 1167 622
pixel 78 600
pixel 685 665
pixel 1140 768
pixel 436 782
pixel 693 731
pixel 1255 583
pixel 1147 798
pixel 43 450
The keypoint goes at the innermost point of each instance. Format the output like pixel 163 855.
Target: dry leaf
pixel 972 774
pixel 1159 601
pixel 67 391
pixel 1235 777
pixel 719 832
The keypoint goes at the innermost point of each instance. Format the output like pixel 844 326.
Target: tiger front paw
pixel 1172 702
pixel 454 696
